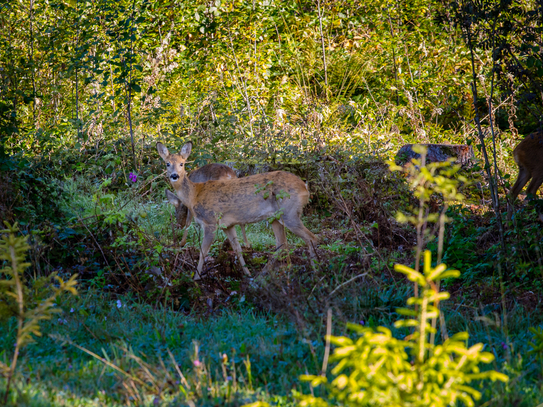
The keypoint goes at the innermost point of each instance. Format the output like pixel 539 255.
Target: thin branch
pixel 347 282
pixel 493 192
pixel 327 347
pixel 129 101
pixel 323 49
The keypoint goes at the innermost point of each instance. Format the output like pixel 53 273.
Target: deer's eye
pixel 167 164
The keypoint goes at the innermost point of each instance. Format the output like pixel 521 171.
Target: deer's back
pixel 212 172
pixel 250 199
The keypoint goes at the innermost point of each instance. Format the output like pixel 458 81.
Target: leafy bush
pixel 27 191
pixel 378 369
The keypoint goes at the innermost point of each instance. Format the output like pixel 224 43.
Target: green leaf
pixel 340 340
pixel 450 274
pixel 411 274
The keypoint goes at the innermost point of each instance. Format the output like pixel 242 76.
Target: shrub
pixel 378 369
pixel 13 297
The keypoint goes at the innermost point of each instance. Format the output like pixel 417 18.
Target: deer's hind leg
pixel 523 177
pixel 280 236
pixel 232 236
pixel 296 226
pixel 185 234
pixel 534 185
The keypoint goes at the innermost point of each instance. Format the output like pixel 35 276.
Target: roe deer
pixel 208 172
pixel 226 203
pixel 529 158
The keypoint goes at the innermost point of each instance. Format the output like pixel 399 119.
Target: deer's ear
pixel 186 149
pixel 162 151
pixel 172 198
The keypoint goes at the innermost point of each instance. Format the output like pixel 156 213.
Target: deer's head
pixel 175 163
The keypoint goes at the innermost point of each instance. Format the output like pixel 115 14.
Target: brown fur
pixel 206 173
pixel 235 202
pixel 529 158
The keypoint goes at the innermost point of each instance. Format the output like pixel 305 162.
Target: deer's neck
pixel 186 191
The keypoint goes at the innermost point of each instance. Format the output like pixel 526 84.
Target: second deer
pixel 528 155
pixel 278 196
pixel 209 172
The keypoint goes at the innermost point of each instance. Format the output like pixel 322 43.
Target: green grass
pixel 54 373
pixel 57 374
pixel 84 199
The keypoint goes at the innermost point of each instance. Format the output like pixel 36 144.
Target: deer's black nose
pixel 174 177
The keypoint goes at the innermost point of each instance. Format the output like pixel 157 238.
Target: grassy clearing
pixel 115 329
pixel 123 330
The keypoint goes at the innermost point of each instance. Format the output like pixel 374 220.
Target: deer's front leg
pixel 186 232
pixel 245 241
pixel 209 235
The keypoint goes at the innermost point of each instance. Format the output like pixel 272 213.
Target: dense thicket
pixel 263 79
